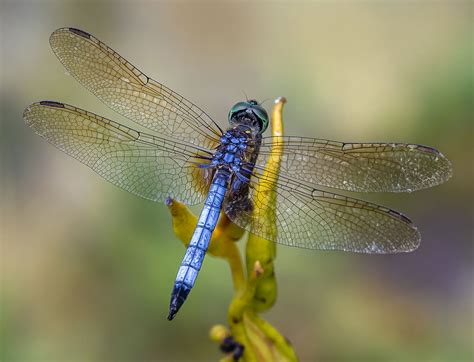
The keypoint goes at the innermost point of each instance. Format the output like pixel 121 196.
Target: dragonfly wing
pixel 131 93
pixel 148 166
pixel 306 217
pixel 360 167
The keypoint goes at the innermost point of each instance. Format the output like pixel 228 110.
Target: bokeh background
pixel 87 269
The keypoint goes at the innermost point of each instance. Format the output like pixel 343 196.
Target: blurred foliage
pixel 86 269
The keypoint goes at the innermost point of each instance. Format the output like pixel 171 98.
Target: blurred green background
pixel 87 269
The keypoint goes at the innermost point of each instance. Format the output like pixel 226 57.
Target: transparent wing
pixel 306 217
pixel 361 167
pixel 148 166
pixel 131 93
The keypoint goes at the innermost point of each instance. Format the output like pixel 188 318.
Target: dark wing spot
pixel 80 33
pixel 52 104
pixel 400 216
pixel 427 149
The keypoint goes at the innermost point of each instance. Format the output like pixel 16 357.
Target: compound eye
pixel 262 116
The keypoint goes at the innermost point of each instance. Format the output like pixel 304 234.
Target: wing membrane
pixel 306 217
pixel 148 166
pixel 131 93
pixel 361 167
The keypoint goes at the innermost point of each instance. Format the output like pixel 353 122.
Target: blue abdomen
pixel 197 247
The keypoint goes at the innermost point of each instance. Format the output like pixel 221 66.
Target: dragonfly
pixel 186 156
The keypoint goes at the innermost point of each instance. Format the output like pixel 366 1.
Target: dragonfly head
pixel 249 113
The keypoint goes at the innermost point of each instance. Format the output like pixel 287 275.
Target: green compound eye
pixel 256 109
pixel 262 115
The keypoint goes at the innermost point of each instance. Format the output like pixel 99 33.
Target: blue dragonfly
pixel 187 156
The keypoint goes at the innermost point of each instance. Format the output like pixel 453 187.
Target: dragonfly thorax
pixel 233 150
